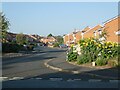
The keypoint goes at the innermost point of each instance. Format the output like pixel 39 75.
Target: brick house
pixel 11 37
pixel 93 32
pixel 33 38
pixel 74 37
pixel 65 38
pixel 71 38
pixel 111 27
pixel 84 31
pixel 48 40
pixel 78 36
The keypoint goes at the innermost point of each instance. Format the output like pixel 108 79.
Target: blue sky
pixel 57 18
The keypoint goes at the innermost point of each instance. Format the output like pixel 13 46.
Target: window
pixel 118 33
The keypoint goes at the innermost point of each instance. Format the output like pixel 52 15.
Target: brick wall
pixel 90 32
pixel 112 27
pixel 65 39
pixel 78 36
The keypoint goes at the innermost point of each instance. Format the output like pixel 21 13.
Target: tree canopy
pixel 4 26
pixel 21 39
pixel 50 35
pixel 59 39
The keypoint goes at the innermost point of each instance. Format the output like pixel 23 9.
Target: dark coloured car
pixel 63 46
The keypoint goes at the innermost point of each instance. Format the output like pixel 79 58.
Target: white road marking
pixel 75 72
pixel 94 80
pixel 3 78
pixel 112 81
pixel 39 78
pixel 16 78
pixel 69 80
pixel 77 79
pixel 56 79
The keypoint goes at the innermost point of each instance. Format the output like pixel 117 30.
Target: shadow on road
pixel 29 59
pixel 105 74
pixel 52 51
pixel 112 73
pixel 65 80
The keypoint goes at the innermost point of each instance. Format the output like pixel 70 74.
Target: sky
pixel 58 18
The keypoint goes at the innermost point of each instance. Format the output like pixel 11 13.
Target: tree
pixel 50 35
pixel 56 44
pixel 59 39
pixel 21 39
pixel 4 26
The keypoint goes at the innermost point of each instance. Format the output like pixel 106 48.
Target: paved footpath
pixel 62 65
pixel 8 56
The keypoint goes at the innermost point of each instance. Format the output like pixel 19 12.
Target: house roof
pixel 86 29
pixel 94 28
pixel 110 20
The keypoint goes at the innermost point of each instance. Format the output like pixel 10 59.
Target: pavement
pixel 41 49
pixel 8 56
pixel 63 66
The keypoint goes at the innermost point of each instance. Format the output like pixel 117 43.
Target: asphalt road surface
pixel 30 72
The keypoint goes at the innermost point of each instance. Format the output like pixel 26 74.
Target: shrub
pixel 100 61
pixel 72 56
pixel 113 63
pixel 81 59
pixel 56 44
pixel 11 47
pixel 89 48
pixel 30 47
pixel 94 49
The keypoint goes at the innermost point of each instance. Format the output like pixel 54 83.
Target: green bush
pixel 113 63
pixel 56 44
pixel 89 48
pixel 94 49
pixel 30 47
pixel 72 56
pixel 100 61
pixel 11 47
pixel 81 59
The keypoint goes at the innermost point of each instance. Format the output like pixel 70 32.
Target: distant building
pixel 70 38
pixel 11 37
pixel 33 38
pixel 48 40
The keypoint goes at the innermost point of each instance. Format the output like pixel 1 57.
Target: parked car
pixel 63 46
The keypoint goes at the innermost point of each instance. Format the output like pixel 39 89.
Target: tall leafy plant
pixel 4 26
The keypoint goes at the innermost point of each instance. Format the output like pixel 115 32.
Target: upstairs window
pixel 118 33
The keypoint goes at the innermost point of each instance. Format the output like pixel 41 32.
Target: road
pixel 30 72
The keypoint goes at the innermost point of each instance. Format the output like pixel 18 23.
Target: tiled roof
pixel 109 20
pixel 86 29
